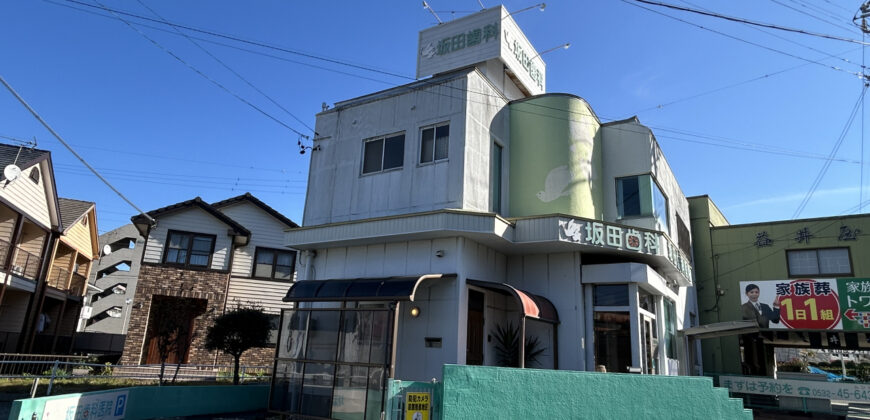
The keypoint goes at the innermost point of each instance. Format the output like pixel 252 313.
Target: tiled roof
pixel 250 197
pixel 71 210
pixel 26 157
pixel 142 220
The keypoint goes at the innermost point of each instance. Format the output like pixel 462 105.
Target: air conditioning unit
pixel 87 311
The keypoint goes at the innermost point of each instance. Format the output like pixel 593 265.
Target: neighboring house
pixel 114 279
pixel 46 248
pixel 72 255
pixel 29 221
pixel 211 257
pixel 443 213
pixel 815 269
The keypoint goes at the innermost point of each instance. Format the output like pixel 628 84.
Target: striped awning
pixel 534 306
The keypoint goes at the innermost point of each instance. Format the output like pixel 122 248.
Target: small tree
pixel 237 331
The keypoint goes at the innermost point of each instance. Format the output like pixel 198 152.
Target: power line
pixel 192 186
pixel 818 62
pixel 226 45
pixel 263 182
pixel 197 71
pixel 245 41
pixel 812 15
pixel 242 78
pixel 62 141
pixel 429 84
pixel 833 153
pixel 746 21
pixel 770 33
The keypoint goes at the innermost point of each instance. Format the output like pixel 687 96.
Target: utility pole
pixel 860 20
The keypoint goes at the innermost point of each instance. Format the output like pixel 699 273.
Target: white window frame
pixel 383 140
pixel 434 127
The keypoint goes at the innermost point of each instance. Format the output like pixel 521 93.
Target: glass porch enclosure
pixel 336 352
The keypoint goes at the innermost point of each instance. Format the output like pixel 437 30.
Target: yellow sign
pixel 417 405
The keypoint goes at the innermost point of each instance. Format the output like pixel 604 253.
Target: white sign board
pixel 479 37
pixel 792 388
pixel 624 238
pixel 102 406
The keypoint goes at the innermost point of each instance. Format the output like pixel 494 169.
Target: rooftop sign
pixel 485 35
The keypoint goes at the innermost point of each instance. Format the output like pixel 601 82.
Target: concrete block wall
pixel 475 392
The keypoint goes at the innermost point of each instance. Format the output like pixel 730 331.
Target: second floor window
pixel 191 249
pixel 382 153
pixel 274 264
pixel 812 262
pixel 434 141
pixel 640 196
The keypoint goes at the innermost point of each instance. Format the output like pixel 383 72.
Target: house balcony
pixel 25 264
pixel 73 285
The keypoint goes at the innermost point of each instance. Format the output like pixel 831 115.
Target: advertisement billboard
pixel 808 304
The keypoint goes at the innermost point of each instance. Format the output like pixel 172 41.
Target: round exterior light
pixel 415 311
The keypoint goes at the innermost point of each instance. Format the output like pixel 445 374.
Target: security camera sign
pixel 417 405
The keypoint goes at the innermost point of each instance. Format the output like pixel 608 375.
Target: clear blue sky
pixel 161 133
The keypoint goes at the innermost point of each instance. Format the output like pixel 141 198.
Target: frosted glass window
pixel 811 262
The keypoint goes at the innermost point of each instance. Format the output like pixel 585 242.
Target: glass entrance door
pixel 650 344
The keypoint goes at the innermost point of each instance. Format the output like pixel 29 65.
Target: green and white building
pixel 446 212
pixel 816 269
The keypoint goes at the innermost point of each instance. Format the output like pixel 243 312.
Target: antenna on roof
pixel 482 7
pixel 11 172
pixel 426 6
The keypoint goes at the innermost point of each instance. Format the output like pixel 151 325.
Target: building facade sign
pixel 795 388
pixel 808 304
pixel 624 238
pixel 477 38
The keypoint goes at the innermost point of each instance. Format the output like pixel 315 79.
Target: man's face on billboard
pixel 753 295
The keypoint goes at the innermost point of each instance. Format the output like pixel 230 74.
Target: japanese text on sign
pixel 794 388
pixel 102 406
pixel 624 238
pixel 417 405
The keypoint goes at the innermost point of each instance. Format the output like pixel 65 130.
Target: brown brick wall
pixel 154 280
pixel 259 356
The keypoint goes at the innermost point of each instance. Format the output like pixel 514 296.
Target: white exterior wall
pixel 192 220
pixel 486 120
pixel 261 293
pixel 443 302
pixel 28 196
pixel 556 277
pixel 630 149
pixel 266 232
pixel 337 190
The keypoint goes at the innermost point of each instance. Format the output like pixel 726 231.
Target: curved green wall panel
pixel 555 163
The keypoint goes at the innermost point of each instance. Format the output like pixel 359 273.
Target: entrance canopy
pixel 721 329
pixel 534 306
pixel 365 289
